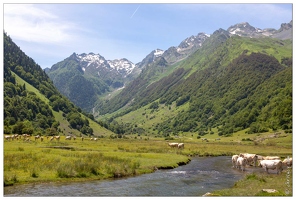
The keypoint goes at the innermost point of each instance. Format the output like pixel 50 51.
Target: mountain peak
pixel 123 66
pixel 241 29
pixel 158 52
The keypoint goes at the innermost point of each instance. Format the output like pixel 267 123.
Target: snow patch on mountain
pixel 158 52
pixel 91 61
pixel 123 66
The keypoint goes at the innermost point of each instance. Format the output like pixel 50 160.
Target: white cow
pixel 68 137
pixel 271 158
pixel 250 158
pixel 234 160
pixel 287 162
pixel 272 164
pixel 241 163
pixel 181 146
pixel 57 138
pixel 7 137
pixel 173 144
pixel 37 137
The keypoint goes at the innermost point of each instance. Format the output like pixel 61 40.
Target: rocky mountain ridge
pixel 105 76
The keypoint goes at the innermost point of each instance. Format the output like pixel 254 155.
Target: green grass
pixel 254 185
pixel 77 160
pixel 84 160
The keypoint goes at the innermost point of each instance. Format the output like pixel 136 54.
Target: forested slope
pixel 26 111
pixel 229 83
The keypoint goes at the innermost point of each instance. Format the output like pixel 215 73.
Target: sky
pixel 51 32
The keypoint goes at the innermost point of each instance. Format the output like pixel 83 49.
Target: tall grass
pixel 110 158
pixel 254 185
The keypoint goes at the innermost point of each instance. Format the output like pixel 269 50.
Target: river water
pixel 201 175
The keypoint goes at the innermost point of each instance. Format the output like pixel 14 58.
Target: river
pixel 201 175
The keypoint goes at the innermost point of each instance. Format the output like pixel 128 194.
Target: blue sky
pixel 49 33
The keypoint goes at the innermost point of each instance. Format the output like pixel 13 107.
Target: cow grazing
pixel 41 139
pixel 7 137
pixel 271 158
pixel 250 158
pixel 272 164
pixel 37 137
pixel 234 160
pixel 51 139
pixel 57 138
pixel 204 139
pixel 68 137
pixel 181 146
pixel 173 145
pixel 288 162
pixel 82 138
pixel 241 163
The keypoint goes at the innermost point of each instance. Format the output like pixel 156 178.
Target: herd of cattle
pixel 27 137
pixel 176 145
pixel 238 161
pixel 266 162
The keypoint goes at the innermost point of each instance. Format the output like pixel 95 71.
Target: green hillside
pixel 32 105
pixel 233 83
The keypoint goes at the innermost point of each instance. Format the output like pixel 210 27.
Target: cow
pixel 95 139
pixel 287 162
pixel 68 137
pixel 181 146
pixel 41 139
pixel 7 137
pixel 271 164
pixel 241 163
pixel 234 160
pixel 250 158
pixel 173 144
pixel 82 138
pixel 51 139
pixel 37 137
pixel 204 139
pixel 271 158
pixel 57 138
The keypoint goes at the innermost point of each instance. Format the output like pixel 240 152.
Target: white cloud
pixel 29 23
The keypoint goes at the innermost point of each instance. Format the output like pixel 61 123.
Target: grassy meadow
pixel 77 160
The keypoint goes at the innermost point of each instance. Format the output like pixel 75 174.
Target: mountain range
pixel 231 83
pixel 230 80
pixel 97 78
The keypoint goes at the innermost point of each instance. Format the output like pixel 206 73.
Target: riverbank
pixel 37 162
pixel 260 184
pixel 192 179
pixel 33 162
